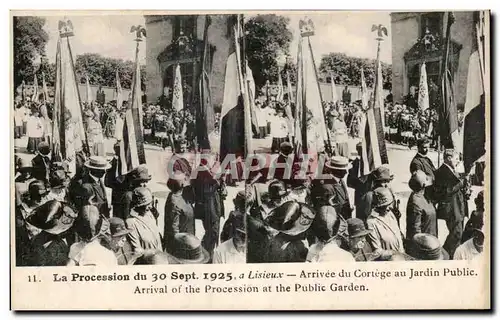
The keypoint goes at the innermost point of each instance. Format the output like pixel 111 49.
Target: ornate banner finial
pixel 140 31
pixel 306 27
pixel 65 28
pixel 381 32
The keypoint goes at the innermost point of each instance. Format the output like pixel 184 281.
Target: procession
pixel 214 164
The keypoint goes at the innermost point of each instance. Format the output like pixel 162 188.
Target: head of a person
pixel 428 247
pixel 382 177
pixel 357 234
pixel 37 190
pixel 139 177
pixel 239 201
pixel 418 181
pixel 152 257
pixel 382 200
pixel 325 225
pixel 479 201
pixel 58 179
pixel 338 166
pixel 97 166
pixel 238 230
pixel 44 148
pixel 286 148
pixel 276 190
pixel 451 158
pixel 478 240
pixel 119 232
pixel 89 223
pixel 423 146
pixel 142 198
pixel 180 145
pixel 24 167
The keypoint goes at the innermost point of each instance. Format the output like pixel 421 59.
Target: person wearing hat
pixel 338 167
pixel 152 257
pixel 233 250
pixel 385 236
pixel 90 251
pixel 119 243
pixel 450 196
pixel 421 161
pixel 357 240
pixel 145 233
pixel 117 181
pixel 19 116
pixel 476 220
pixel 93 128
pixel 239 209
pixel 90 189
pixel 23 180
pixel 188 250
pixel 179 213
pixel 41 163
pixel 34 130
pixel 58 181
pixel 277 194
pixel 291 220
pixel 380 177
pixel 420 211
pixel 51 246
pixel 427 247
pixel 137 178
pixel 471 249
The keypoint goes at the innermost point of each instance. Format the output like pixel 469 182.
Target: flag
pixel 335 98
pixel 281 93
pixel 34 98
pixel 423 91
pixel 474 126
pixel 378 111
pixel 310 120
pixel 449 133
pixel 88 90
pixel 23 91
pixel 132 144
pixel 232 124
pixel 119 92
pixel 289 85
pixel 45 90
pixel 205 121
pixel 370 148
pixel 178 98
pixel 68 132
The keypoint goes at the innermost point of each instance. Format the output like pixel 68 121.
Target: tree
pixel 29 44
pixel 266 36
pixel 347 70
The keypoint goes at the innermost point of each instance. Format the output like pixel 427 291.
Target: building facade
pixel 418 38
pixel 178 39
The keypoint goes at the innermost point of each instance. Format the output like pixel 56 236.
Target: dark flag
pixel 474 110
pixel 205 121
pixel 448 114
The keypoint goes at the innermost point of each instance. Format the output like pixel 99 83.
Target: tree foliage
pixel 100 70
pixel 347 70
pixel 267 36
pixel 29 45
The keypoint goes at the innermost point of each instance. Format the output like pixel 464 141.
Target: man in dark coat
pixel 449 193
pixel 338 167
pixel 41 163
pixel 117 182
pixel 90 188
pixel 421 161
pixel 346 95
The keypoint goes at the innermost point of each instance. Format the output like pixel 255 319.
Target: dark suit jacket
pixel 420 215
pixel 86 188
pixel 423 163
pixel 41 167
pixel 118 185
pixel 449 195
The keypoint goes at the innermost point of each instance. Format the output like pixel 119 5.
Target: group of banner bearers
pixel 310 219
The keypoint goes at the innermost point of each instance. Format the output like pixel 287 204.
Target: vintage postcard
pixel 329 160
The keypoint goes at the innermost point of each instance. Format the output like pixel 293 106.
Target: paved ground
pixel 157 158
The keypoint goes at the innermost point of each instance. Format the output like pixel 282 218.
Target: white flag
pixel 423 91
pixel 178 98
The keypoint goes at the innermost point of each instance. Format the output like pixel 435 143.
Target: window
pixel 186 25
pixel 433 22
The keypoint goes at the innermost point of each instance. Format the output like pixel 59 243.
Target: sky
pixel 341 31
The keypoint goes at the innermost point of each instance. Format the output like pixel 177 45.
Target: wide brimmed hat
pixel 140 173
pixel 141 197
pixel 53 217
pixel 240 197
pixel 97 163
pixel 382 173
pixel 382 197
pixel 117 227
pixel 338 163
pixel 57 179
pixel 152 257
pixel 428 247
pixel 44 148
pixel 37 187
pixel 291 218
pixel 356 228
pixel 187 249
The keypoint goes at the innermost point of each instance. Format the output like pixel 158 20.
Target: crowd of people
pixel 66 217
